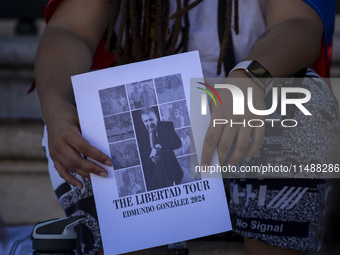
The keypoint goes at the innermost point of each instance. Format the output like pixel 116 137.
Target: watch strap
pixel 245 65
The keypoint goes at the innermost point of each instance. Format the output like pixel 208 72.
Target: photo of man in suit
pixel 157 141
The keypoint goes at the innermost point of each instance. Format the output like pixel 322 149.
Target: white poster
pixel 139 115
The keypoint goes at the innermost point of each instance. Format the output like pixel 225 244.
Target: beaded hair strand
pixel 144 31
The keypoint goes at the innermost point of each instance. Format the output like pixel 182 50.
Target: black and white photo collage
pixel 128 134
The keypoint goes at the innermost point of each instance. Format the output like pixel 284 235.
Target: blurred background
pixel 26 195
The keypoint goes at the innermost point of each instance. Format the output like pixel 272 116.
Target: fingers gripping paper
pixel 138 115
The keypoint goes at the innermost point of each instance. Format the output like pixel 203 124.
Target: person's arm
pixel 66 48
pixel 291 42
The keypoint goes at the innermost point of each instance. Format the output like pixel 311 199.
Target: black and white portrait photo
pixel 176 112
pixel 119 127
pixel 186 148
pixel 188 164
pixel 148 131
pixel 134 91
pixel 130 181
pixel 148 95
pixel 169 88
pixel 141 94
pixel 124 154
pixel 113 100
pixel 157 141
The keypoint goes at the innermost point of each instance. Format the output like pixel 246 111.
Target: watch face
pixel 259 72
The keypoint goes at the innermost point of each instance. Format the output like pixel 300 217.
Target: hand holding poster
pixel 138 114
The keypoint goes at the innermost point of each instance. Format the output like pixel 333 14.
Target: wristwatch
pixel 256 71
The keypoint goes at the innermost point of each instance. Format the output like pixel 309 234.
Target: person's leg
pixel 254 247
pixel 289 213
